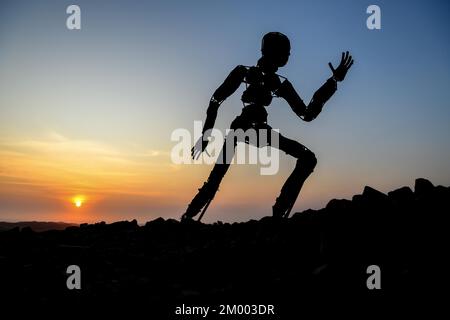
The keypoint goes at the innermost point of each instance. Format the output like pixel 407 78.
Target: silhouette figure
pixel 262 84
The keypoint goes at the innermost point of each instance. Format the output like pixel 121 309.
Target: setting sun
pixel 78 201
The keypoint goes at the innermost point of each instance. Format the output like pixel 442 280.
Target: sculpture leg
pixel 306 162
pixel 207 192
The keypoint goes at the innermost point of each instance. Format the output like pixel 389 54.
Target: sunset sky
pixel 86 115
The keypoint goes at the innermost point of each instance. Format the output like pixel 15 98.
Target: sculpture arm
pixel 226 89
pixel 311 111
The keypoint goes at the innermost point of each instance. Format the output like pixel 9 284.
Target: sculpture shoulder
pixel 240 70
pixel 282 78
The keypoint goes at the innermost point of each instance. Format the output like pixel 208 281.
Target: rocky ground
pixel 314 258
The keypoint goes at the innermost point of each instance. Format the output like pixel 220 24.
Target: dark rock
pixel 357 198
pixel 423 187
pixel 404 194
pixel 374 195
pixel 13 230
pixel 172 221
pixel 338 204
pixel 156 222
pixel 27 230
pixel 303 213
pixel 123 225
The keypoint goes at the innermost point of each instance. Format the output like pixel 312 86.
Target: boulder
pixel 372 194
pixel 338 204
pixel 423 187
pixel 402 195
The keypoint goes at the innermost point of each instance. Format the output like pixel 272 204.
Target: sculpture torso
pixel 260 87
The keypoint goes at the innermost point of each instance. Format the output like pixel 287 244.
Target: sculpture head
pixel 275 49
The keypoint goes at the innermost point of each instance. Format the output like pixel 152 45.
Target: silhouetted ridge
pixel 314 256
pixel 37 226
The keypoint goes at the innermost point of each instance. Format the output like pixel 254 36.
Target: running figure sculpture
pixel 262 84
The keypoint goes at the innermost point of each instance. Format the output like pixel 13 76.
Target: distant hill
pixel 36 226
